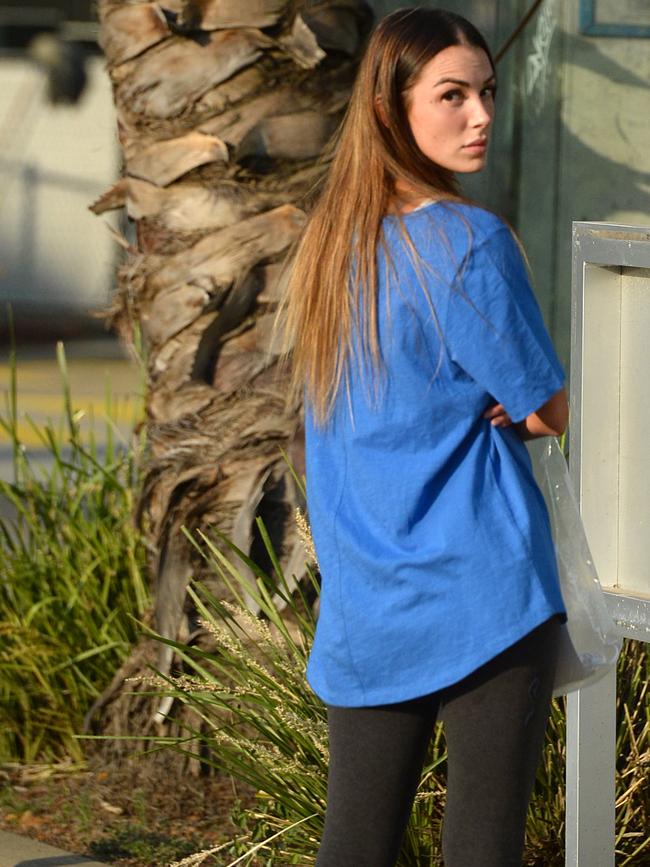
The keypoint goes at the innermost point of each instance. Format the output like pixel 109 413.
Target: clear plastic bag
pixel 589 641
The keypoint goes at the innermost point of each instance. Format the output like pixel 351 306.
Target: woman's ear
pixel 381 111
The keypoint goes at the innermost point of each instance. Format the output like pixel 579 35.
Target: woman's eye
pixel 453 95
pixel 490 91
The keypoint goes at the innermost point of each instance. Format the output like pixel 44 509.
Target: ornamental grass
pixel 72 589
pixel 71 579
pixel 257 720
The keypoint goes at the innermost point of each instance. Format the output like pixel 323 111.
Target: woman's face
pixel 450 108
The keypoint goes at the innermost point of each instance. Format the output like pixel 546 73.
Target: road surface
pixel 105 392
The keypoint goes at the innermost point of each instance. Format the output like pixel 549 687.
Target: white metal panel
pixel 634 454
pixel 600 415
pixel 610 409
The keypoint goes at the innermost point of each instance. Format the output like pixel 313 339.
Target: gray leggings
pixel 494 723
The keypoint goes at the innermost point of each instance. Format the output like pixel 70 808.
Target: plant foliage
pixel 71 580
pixel 71 584
pixel 258 720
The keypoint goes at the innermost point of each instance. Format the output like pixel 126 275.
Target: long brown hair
pixel 332 287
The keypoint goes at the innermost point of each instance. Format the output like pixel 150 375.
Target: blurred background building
pixel 58 152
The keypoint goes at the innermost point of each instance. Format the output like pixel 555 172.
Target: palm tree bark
pixel 224 108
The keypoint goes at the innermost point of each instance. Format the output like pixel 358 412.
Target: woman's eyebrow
pixel 462 83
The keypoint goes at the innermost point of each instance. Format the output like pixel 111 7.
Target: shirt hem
pixel 374 698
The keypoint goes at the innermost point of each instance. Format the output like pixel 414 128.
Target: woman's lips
pixel 478 145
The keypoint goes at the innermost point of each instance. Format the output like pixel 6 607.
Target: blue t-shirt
pixel 432 537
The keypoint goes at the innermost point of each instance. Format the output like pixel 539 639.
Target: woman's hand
pixel 497 416
pixel 550 420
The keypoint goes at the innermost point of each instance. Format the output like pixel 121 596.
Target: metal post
pixel 590 770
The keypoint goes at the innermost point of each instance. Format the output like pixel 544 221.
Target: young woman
pixel 425 364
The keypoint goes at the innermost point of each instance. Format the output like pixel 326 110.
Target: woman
pixel 426 365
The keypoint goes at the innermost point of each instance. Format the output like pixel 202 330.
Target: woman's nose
pixel 481 113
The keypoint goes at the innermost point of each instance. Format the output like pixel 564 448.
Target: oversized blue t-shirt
pixel 432 537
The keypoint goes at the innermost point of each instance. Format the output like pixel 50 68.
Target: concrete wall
pixel 585 148
pixel 54 161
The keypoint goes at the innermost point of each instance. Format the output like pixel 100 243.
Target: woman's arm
pixel 550 420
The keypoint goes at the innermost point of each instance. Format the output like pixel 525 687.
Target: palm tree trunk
pixel 223 108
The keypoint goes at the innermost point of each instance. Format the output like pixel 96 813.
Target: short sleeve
pixel 494 328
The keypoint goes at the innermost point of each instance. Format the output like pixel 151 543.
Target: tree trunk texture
pixel 224 108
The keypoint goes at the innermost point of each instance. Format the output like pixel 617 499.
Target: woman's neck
pixel 400 205
pixel 406 198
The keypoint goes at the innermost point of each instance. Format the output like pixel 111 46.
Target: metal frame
pixel 631 614
pixel 591 712
pixel 590 26
pixel 606 244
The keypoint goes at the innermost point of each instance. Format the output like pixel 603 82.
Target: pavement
pixel 17 851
